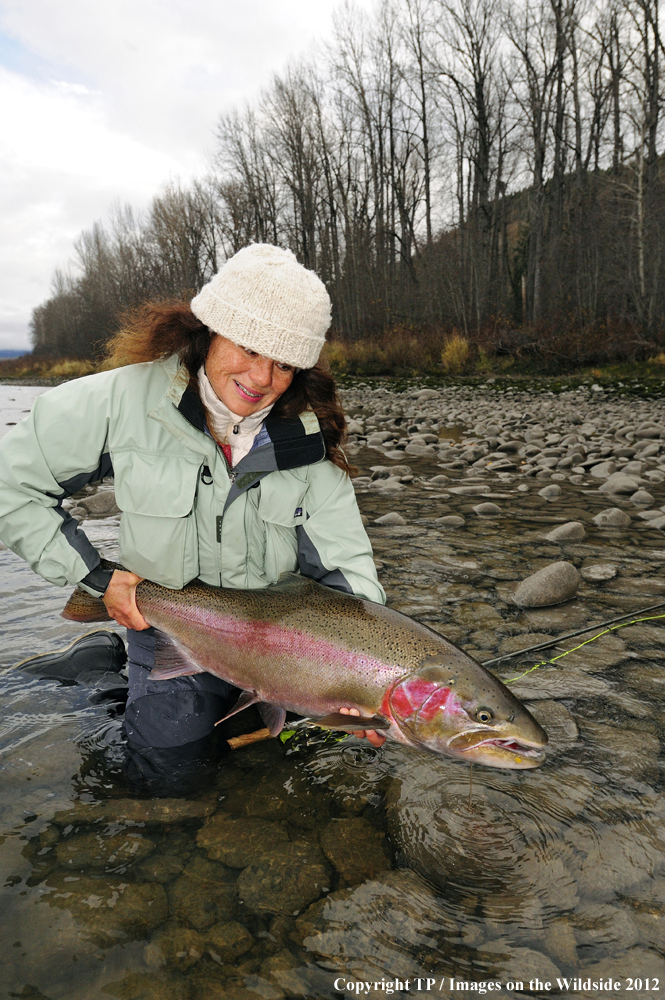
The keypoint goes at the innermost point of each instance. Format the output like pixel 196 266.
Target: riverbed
pixel 306 865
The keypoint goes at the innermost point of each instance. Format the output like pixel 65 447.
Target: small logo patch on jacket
pixel 298 512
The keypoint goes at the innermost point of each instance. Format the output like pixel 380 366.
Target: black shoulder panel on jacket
pixel 293 446
pixel 192 409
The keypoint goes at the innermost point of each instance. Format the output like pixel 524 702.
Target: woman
pixel 223 438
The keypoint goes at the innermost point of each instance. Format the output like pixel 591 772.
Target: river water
pixel 305 867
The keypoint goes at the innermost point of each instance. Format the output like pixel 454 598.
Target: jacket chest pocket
pixel 282 502
pixel 158 534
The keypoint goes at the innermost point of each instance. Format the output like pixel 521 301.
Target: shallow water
pixel 321 861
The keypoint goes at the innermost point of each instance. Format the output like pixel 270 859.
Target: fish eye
pixel 484 715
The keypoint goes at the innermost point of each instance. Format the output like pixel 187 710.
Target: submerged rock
pixel 571 531
pixel 598 572
pixel 179 948
pixel 450 521
pixel 613 517
pixel 284 881
pixel 391 518
pixel 147 811
pixel 549 492
pixel 642 497
pixel 619 482
pixel 355 848
pixel 551 585
pixel 91 850
pixel 521 964
pixel 238 841
pixel 487 509
pixel 203 895
pixel 108 908
pixel 227 941
pixel 390 927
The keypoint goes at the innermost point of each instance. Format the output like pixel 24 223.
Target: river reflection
pixel 304 862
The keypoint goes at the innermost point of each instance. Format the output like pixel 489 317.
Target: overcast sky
pixel 104 102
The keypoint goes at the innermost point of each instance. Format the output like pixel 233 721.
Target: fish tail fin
pixel 83 607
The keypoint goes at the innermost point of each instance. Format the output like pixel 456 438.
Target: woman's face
pixel 244 380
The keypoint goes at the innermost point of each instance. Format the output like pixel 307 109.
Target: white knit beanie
pixel 263 299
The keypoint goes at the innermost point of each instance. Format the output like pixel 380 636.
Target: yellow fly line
pixel 611 628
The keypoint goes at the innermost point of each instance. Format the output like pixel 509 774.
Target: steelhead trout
pixel 300 647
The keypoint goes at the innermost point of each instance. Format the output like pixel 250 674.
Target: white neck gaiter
pixel 226 426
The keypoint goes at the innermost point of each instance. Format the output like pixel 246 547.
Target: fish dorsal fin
pixel 350 723
pixel 291 583
pixel 171 660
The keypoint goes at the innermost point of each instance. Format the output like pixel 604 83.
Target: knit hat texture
pixel 263 299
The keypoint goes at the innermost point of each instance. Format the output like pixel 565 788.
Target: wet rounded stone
pixel 571 531
pixel 179 948
pixel 392 517
pixel 598 572
pixel 619 482
pixel 382 928
pixel 558 723
pixel 149 811
pixel 92 850
pixel 227 941
pixel 618 751
pixel 553 584
pixel 284 882
pixel 237 841
pixel 355 848
pixel 513 643
pixel 109 909
pixel 450 521
pixel 550 492
pixel 203 895
pixel 634 963
pixel 487 835
pixel 642 497
pixel 160 868
pixel 149 986
pixel 487 509
pixel 613 517
pixel 522 964
pixel 607 928
pixel 612 861
pixel 100 504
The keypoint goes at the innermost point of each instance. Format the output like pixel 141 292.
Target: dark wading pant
pixel 170 725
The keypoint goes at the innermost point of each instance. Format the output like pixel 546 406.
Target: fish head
pixel 460 710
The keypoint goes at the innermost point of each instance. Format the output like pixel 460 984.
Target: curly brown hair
pixel 160 329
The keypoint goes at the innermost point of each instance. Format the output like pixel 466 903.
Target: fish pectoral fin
pixel 83 607
pixel 246 699
pixel 273 717
pixel 350 723
pixel 171 660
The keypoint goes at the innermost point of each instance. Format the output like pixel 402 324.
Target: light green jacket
pixel 283 508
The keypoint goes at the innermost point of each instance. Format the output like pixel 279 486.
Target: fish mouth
pixel 486 746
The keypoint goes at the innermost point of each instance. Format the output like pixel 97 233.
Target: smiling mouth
pixel 247 392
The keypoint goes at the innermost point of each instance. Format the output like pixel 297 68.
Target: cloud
pixel 101 103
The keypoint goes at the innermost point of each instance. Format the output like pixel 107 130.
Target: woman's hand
pixel 376 739
pixel 120 600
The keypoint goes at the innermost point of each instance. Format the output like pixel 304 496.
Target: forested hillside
pixel 487 167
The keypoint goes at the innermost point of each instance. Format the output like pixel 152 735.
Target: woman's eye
pixel 285 368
